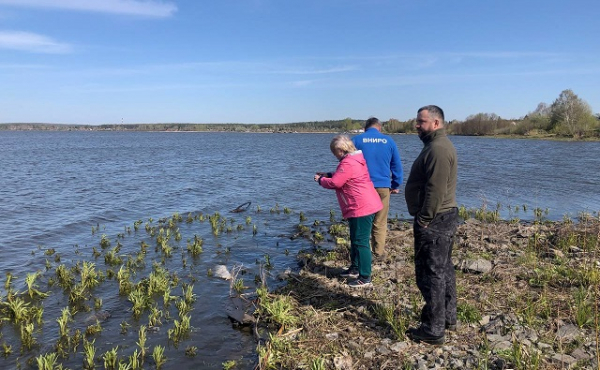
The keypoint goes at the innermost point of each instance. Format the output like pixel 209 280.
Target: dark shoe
pixel 418 335
pixel 350 273
pixel 361 282
pixel 379 258
pixel 451 327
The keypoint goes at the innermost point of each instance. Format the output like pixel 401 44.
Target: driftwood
pixel 241 207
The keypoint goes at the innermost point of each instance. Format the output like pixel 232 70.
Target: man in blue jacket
pixel 385 170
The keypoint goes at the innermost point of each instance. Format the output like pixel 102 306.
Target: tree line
pixel 568 116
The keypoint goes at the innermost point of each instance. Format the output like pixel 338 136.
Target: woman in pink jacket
pixel 358 201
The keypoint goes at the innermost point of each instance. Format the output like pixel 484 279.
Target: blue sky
pixel 280 61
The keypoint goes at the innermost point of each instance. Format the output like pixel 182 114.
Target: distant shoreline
pixel 294 128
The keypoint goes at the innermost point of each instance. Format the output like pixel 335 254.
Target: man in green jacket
pixel 431 198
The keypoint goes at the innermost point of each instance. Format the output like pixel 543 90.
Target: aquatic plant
pixel 89 275
pixel 17 310
pixel 188 293
pixel 191 351
pixel 123 278
pixel 302 217
pixel 154 316
pixel 181 329
pixel 158 354
pixel 139 300
pixel 8 282
pixel 6 349
pixel 63 322
pixel 47 361
pixel 89 353
pixel 93 329
pixel 141 343
pixel 195 248
pixel 124 327
pixel 65 277
pixel 104 241
pixel 228 365
pixel 111 358
pixel 134 360
pixel 27 338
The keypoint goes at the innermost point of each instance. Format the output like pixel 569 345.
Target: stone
pixel 354 346
pixel 221 272
pixel 383 350
pixel 478 266
pixel 284 275
pixel 568 332
pixel 545 347
pixel 342 363
pixel 484 320
pixel 399 346
pixel 580 355
pixel 237 311
pixel 332 336
pixel 502 346
pixel 563 360
pixel 554 253
pixel 98 316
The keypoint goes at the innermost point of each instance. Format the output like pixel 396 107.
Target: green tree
pixel 571 115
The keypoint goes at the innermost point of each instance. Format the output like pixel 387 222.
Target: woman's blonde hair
pixel 343 143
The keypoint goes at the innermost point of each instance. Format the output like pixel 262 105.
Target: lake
pixel 61 191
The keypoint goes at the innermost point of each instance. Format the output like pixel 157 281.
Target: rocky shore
pixel 528 298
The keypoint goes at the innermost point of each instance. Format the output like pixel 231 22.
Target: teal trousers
pixel 360 248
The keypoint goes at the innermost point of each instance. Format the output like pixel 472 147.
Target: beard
pixel 423 133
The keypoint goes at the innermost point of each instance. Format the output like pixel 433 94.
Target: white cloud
pixel 149 8
pixel 32 42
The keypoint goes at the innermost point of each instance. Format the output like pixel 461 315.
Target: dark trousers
pixel 435 273
pixel 360 248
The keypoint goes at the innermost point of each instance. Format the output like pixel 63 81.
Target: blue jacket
pixel 383 158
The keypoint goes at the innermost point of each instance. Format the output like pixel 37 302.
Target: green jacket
pixel 431 185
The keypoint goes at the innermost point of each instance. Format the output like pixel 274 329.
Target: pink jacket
pixel 353 187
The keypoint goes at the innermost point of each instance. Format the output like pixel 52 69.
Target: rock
pixel 342 363
pixel 568 332
pixel 502 346
pixel 456 364
pixel 478 266
pixel 554 253
pixel 284 275
pixel 237 311
pixel 221 272
pixel 354 346
pixel 383 350
pixel 580 355
pixel 545 347
pixel 98 316
pixel 332 336
pixel 399 346
pixel 494 338
pixel 564 360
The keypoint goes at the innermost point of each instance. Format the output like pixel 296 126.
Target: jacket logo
pixel 374 140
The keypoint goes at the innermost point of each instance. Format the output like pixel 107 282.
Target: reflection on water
pixel 56 186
